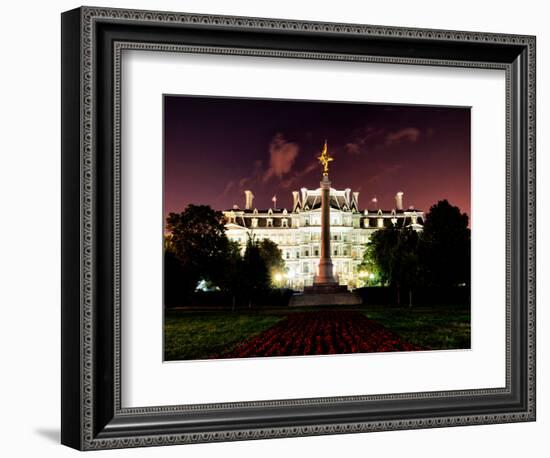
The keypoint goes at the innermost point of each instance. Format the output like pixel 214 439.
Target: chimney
pixel 295 200
pixel 356 199
pixel 399 201
pixel 248 198
pixel 304 195
pixel 347 193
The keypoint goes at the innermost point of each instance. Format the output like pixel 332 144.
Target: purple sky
pixel 215 148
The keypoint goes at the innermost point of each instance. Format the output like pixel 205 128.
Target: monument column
pixel 325 276
pixel 325 289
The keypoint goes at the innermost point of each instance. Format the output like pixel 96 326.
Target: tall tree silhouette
pixel 198 242
pixel 273 258
pixel 254 271
pixel 393 254
pixel 445 246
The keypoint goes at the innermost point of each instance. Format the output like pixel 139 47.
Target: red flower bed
pixel 321 333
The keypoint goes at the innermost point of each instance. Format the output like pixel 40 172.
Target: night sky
pixel 215 148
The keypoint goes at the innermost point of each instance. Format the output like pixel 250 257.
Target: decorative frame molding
pixel 92 40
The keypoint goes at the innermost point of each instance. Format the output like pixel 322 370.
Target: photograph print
pixel 305 228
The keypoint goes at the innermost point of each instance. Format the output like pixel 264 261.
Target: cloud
pixel 228 187
pixel 362 139
pixel 255 176
pixel 353 148
pixel 409 134
pixel 288 182
pixel 384 173
pixel 282 155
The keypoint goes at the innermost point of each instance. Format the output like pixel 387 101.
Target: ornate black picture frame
pixel 92 42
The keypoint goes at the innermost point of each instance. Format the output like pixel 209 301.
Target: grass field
pixel 199 335
pixel 203 335
pixel 436 328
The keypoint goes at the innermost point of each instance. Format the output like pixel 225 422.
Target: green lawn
pixel 199 335
pixel 437 327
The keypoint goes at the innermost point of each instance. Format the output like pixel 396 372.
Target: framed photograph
pixel 277 228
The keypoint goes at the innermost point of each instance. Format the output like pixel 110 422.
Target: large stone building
pixel 297 231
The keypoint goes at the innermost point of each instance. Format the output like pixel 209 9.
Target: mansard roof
pixel 341 200
pixel 374 211
pixel 402 221
pixel 310 200
pixel 259 211
pixel 261 222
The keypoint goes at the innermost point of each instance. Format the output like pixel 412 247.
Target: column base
pixel 326 276
pixel 325 296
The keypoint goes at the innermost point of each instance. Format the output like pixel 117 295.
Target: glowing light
pixel 278 277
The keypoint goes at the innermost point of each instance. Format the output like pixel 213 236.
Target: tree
pixel 231 278
pixel 273 259
pixel 174 279
pixel 198 241
pixel 255 275
pixel 379 253
pixel 393 254
pixel 439 256
pixel 406 268
pixel 445 246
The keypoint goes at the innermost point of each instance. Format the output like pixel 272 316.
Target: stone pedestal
pixel 311 299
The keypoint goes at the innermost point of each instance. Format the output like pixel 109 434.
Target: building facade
pixel 297 231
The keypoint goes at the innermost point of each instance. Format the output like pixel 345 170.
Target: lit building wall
pixel 298 232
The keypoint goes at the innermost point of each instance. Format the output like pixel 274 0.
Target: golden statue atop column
pixel 324 159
